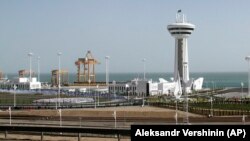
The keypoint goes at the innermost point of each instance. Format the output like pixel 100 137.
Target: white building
pixel 21 83
pixel 153 88
pixel 166 87
pixel 138 87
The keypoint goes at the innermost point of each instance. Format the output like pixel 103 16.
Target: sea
pixel 211 79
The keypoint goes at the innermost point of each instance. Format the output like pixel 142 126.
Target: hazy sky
pixel 126 30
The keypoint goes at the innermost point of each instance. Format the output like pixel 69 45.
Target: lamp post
pixel 107 74
pixel 89 81
pixel 107 69
pixel 60 115
pixel 59 76
pixel 176 109
pixel 30 57
pixel 142 99
pixel 114 83
pixel 89 85
pixel 242 85
pixel 247 58
pixel 144 67
pixel 38 72
pixel 211 100
pixel 10 114
pixel 211 108
pixel 213 86
pixel 136 88
pixel 97 86
pixel 80 118
pixel 38 68
pixel 127 86
pixel 114 115
pixel 14 87
pixel 177 93
pixel 136 84
pixel 207 87
pixel 95 96
pixel 186 100
pixel 144 78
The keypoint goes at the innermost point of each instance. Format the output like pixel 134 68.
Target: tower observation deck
pixel 181 30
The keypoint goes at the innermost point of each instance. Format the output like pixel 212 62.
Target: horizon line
pixel 145 72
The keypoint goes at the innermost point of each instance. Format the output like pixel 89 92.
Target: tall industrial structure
pixel 181 30
pixel 64 77
pixel 25 73
pixel 86 69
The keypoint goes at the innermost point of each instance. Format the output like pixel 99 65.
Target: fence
pixel 202 111
pixel 118 133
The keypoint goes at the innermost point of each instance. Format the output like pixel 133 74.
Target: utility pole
pixel 186 118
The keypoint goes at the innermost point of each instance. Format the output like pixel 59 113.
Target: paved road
pixel 123 122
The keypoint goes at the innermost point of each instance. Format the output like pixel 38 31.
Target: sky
pixel 125 30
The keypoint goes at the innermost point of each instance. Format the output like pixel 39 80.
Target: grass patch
pixel 226 106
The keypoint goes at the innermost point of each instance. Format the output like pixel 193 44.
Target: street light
pixel 185 91
pixel 247 58
pixel 213 86
pixel 30 57
pixel 95 95
pixel 38 72
pixel 10 114
pixel 107 74
pixel 211 110
pixel 107 69
pixel 136 83
pixel 186 100
pixel 14 87
pixel 114 83
pixel 242 85
pixel 114 115
pixel 142 99
pixel 176 109
pixel 60 114
pixel 127 86
pixel 144 67
pixel 144 77
pixel 97 86
pixel 38 68
pixel 59 76
pixel 177 94
pixel 207 87
pixel 211 100
pixel 136 89
pixel 89 85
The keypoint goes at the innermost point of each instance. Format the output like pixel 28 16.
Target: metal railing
pixel 117 133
